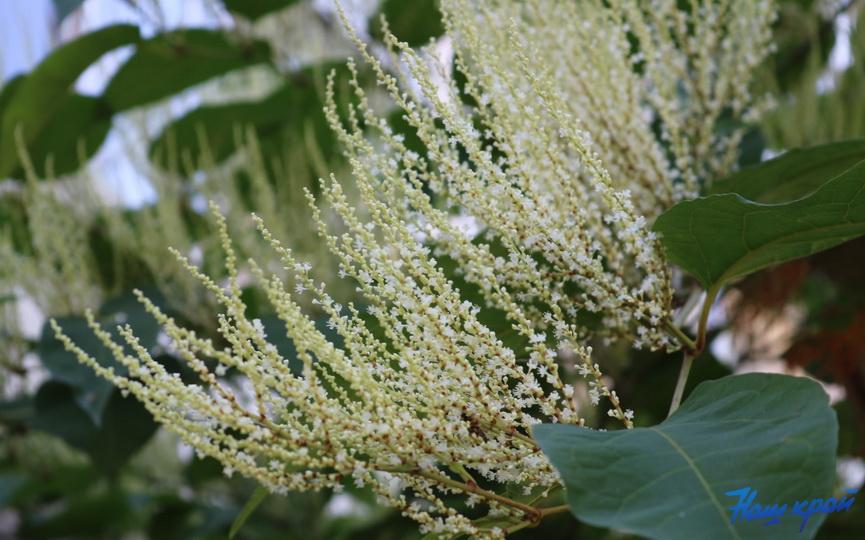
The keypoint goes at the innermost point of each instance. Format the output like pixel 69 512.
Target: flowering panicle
pixel 430 390
pixel 557 165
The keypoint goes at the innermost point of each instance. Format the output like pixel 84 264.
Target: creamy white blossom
pixel 588 119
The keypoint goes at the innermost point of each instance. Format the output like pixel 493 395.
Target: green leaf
pixel 255 9
pixel 75 132
pixel 126 424
pixel 721 237
pixel 171 62
pixel 10 87
pixel 38 96
pixel 794 174
pixel 97 513
pixel 414 22
pixel 260 494
pixel 773 433
pixel 91 391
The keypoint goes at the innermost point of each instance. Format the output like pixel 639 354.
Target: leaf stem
pixel 687 361
pixel 691 349
pixel 554 510
pixel 543 513
pixel 711 295
pixel 687 343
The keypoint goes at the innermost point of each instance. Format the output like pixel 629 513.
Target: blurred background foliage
pixel 78 460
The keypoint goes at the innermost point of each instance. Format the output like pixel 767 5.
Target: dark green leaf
pixel 794 174
pixel 171 62
pixel 75 132
pixel 773 433
pixel 260 494
pixel 255 9
pixel 126 424
pixel 61 479
pixel 10 87
pixel 722 237
pixel 41 94
pixel 91 391
pixel 98 513
pixel 414 22
pixel 60 415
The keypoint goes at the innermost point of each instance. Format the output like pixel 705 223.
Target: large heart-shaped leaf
pixel 794 174
pixel 775 434
pixel 722 237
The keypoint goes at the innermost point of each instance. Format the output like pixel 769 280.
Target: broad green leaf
pixel 721 237
pixel 794 174
pixel 40 94
pixel 255 9
pixel 775 434
pixel 10 87
pixel 75 132
pixel 259 495
pixel 414 22
pixel 91 391
pixel 126 424
pixel 171 62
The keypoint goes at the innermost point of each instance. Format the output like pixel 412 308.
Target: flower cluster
pixel 556 145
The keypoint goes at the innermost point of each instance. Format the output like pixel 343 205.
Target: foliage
pixel 79 444
pixel 682 467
